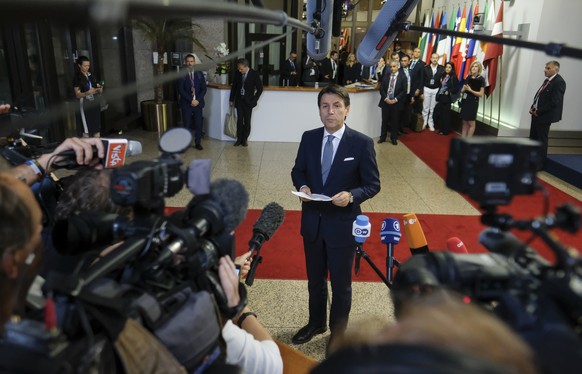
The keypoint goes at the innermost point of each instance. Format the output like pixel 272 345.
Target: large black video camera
pixel 541 301
pixel 164 273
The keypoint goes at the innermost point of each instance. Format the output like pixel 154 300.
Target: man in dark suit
pixel 547 105
pixel 310 71
pixel 244 95
pixel 192 89
pixel 416 80
pixel 290 71
pixel 392 96
pixel 329 68
pixel 405 107
pixel 339 162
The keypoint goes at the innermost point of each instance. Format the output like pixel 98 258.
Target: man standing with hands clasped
pixel 192 89
pixel 547 105
pixel 244 95
pixel 340 162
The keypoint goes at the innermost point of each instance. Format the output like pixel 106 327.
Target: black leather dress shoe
pixel 380 141
pixel 394 142
pixel 198 147
pixel 244 144
pixel 237 143
pixel 307 333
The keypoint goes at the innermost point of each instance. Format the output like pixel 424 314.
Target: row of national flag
pixel 462 51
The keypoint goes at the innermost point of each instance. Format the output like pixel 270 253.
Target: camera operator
pixel 34 170
pixel 248 343
pixel 21 247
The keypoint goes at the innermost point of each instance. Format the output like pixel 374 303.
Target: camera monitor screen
pixel 492 170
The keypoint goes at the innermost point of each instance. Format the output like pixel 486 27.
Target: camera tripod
pixel 390 263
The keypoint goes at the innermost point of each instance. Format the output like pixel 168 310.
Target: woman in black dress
pixel 86 88
pixel 352 70
pixel 449 89
pixel 472 90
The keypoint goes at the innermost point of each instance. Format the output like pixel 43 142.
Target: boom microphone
pixel 384 30
pixel 223 210
pixel 319 16
pixel 415 235
pixel 456 245
pixel 269 221
pixel 116 150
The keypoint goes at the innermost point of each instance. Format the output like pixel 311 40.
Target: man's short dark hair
pixel 242 61
pixel 333 53
pixel 334 89
pixel 189 55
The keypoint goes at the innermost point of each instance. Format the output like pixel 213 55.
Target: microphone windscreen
pixel 233 200
pixel 456 245
pixel 384 30
pixel 414 234
pixel 390 233
pixel 270 219
pixel 134 148
pixel 361 228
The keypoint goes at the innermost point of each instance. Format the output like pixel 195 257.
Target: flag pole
pixel 500 90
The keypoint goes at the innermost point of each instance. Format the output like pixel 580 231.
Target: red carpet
pixel 283 256
pixel 433 150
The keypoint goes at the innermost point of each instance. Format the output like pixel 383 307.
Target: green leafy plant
pixel 163 33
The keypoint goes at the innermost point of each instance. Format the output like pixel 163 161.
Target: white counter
pixel 282 115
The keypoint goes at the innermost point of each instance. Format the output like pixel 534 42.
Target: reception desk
pixel 284 113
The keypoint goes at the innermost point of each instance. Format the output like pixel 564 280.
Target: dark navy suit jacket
pixel 551 101
pixel 185 90
pixel 354 169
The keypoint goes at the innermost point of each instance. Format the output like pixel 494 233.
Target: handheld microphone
pixel 116 150
pixel 415 235
pixel 319 15
pixel 384 30
pixel 361 229
pixel 269 221
pixel 390 235
pixel 455 245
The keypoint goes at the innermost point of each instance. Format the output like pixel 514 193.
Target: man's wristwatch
pixel 351 198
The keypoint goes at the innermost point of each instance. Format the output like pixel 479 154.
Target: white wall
pixel 522 69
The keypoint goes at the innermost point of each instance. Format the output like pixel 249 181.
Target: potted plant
pixel 163 33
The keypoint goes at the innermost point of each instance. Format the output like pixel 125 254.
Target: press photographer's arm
pixel 34 170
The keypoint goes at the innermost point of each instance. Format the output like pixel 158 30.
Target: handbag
pixel 230 124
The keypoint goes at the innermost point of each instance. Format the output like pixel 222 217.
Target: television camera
pixel 541 301
pixel 161 271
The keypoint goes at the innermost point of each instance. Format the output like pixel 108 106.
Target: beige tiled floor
pixel 408 185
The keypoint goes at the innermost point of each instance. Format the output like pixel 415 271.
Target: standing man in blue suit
pixel 339 162
pixel 192 89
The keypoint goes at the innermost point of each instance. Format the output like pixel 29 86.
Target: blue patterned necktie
pixel 327 158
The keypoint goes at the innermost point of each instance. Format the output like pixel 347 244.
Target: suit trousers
pixel 406 108
pixel 442 117
pixel 192 120
pixel 321 258
pixel 390 121
pixel 540 132
pixel 243 123
pixel 428 106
